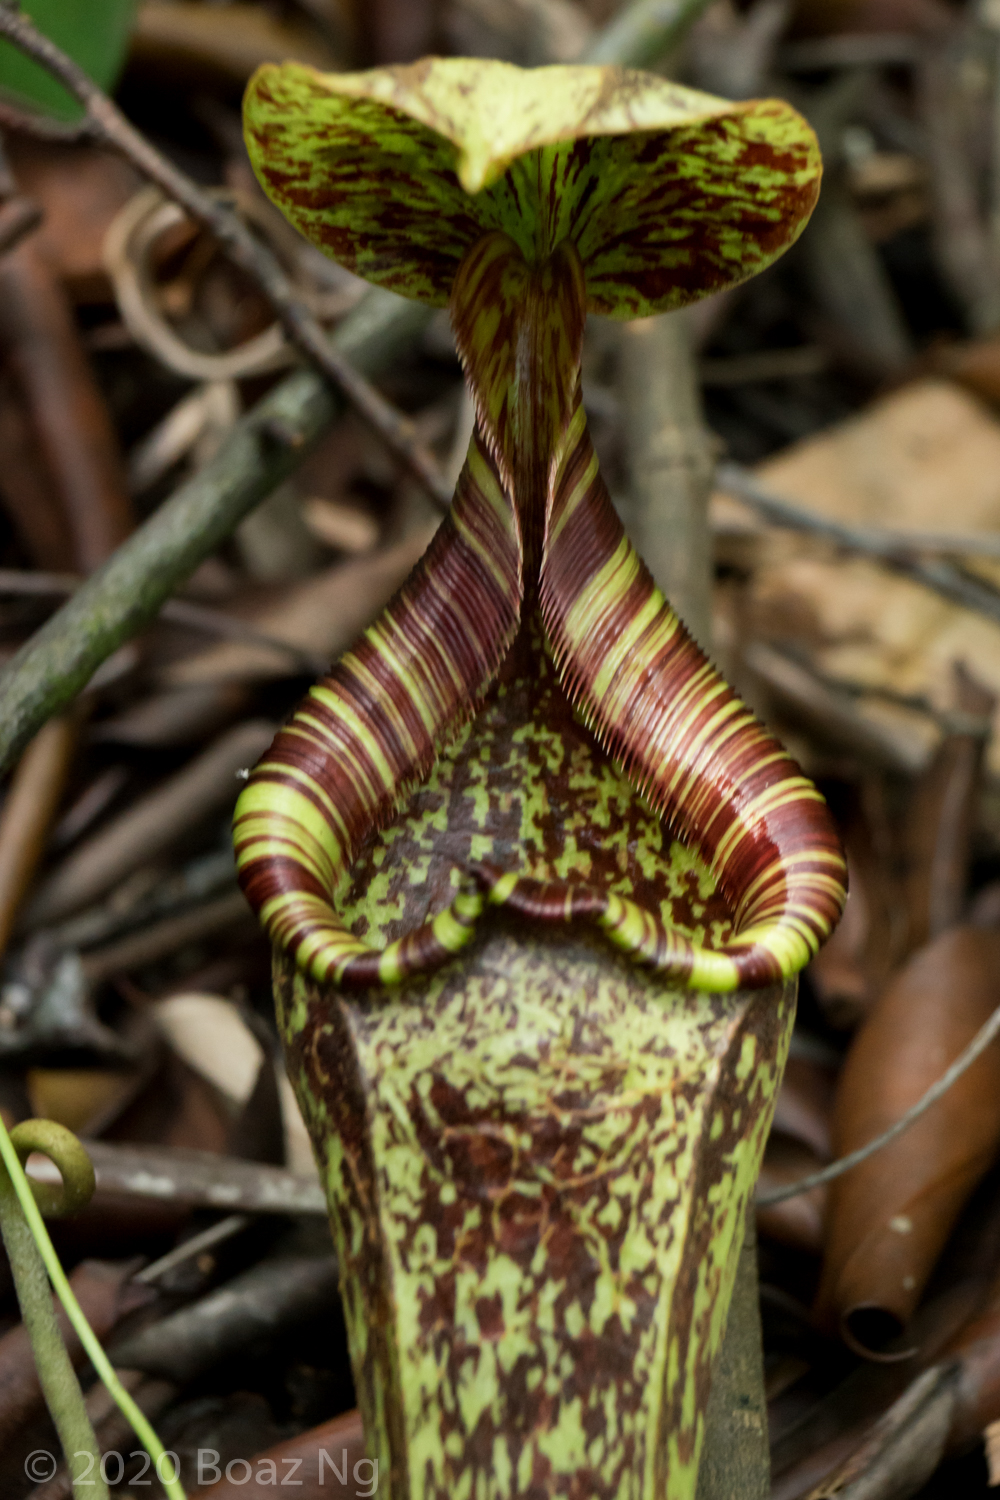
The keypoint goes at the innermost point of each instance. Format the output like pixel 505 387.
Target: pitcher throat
pixel 519 331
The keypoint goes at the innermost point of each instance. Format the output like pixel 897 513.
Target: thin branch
pixel 109 126
pixel 199 1179
pixel 186 613
pixel 197 1244
pixel 896 549
pixel 984 1036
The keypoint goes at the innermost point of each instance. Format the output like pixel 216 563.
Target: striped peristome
pixel 370 730
pixel 533 542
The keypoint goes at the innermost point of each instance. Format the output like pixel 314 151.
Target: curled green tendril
pixel 34 1199
pixel 66 1153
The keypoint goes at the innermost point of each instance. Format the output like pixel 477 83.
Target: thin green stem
pixel 102 1365
pixel 55 1369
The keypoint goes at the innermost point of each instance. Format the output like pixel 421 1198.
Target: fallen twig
pixel 198 1179
pixel 166 937
pixel 150 826
pixel 186 612
pixel 897 549
pixel 215 1234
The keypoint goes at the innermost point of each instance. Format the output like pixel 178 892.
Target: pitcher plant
pixel 537 882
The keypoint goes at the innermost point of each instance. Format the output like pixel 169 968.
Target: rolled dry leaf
pixel 797 1221
pixel 28 811
pixel 27 492
pixel 325 1463
pixel 889 1217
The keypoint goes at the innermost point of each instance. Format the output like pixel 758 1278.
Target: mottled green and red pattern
pixel 538 1155
pixel 538 1162
pixel 667 194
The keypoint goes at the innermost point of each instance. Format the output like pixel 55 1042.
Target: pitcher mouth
pixel 532 546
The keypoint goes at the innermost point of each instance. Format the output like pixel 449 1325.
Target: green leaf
pixel 94 33
pixel 667 194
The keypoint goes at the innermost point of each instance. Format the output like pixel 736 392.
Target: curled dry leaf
pixel 68 412
pixel 890 1216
